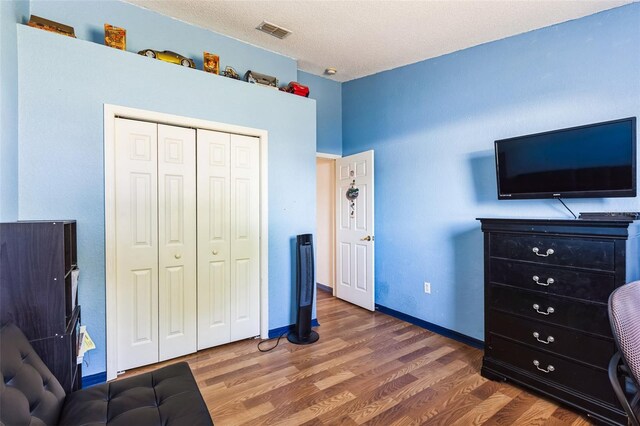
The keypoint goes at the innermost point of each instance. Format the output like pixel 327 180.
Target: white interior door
pixel 214 244
pixel 177 241
pixel 228 238
pixel 136 243
pixel 355 231
pixel 245 237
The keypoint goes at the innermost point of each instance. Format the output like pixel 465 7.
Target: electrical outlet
pixel 427 287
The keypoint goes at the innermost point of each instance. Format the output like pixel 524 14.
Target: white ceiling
pixel 360 38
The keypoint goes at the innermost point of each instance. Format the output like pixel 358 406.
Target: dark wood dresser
pixel 38 293
pixel 547 283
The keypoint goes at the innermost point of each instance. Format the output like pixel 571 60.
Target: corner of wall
pixel 328 96
pixel 12 12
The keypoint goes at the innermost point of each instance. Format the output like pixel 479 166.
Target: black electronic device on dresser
pixel 547 283
pixel 38 292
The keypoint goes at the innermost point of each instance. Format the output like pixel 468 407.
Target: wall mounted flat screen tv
pixel 597 160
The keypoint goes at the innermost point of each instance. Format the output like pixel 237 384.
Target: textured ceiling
pixel 360 38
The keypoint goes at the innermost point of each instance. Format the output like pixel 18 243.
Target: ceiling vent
pixel 273 29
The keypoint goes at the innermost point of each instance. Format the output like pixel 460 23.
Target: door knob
pixel 178 256
pixel 367 238
pixel 215 252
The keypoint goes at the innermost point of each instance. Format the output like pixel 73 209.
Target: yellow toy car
pixel 168 56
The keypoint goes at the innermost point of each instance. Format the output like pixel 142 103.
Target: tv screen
pixel 597 160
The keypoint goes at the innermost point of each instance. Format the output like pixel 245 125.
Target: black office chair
pixel 624 367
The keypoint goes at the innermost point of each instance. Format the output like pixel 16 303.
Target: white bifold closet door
pixel 177 241
pixel 228 237
pixel 156 242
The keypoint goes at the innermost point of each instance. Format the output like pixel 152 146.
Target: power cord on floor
pixel 273 347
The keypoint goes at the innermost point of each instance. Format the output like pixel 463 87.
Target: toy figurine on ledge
pixel 168 56
pixel 296 88
pixel 231 73
pixel 261 79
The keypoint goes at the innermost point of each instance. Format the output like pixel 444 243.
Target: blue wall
pixel 61 149
pixel 10 13
pixel 432 126
pixel 328 96
pixel 150 30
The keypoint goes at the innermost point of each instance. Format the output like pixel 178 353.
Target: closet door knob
pixel 215 252
pixel 178 256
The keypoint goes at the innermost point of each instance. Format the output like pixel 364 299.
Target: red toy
pixel 298 89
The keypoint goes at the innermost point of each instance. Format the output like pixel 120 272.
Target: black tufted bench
pixel 31 395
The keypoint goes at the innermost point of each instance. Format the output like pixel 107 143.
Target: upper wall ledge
pixel 92 45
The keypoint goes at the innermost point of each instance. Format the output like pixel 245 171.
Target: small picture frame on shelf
pixel 115 37
pixel 211 63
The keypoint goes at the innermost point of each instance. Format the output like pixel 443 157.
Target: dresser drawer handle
pixel 550 310
pixel 550 368
pixel 550 339
pixel 548 283
pixel 536 250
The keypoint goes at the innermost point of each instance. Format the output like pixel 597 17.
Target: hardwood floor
pixel 367 368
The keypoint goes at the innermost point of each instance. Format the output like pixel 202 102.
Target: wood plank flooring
pixel 367 368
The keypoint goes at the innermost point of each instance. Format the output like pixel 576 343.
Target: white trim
pixel 110 241
pixel 110 114
pixel 325 155
pixel 334 212
pixel 264 236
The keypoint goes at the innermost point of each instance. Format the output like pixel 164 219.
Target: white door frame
pixel 333 237
pixel 329 156
pixel 110 114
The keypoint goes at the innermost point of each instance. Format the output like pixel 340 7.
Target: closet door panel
pixel 214 217
pixel 245 233
pixel 136 243
pixel 177 241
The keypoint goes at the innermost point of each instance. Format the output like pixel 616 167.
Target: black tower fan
pixel 303 335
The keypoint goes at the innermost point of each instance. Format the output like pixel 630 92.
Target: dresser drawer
pixel 587 316
pixel 578 377
pixel 554 250
pixel 566 282
pixel 590 349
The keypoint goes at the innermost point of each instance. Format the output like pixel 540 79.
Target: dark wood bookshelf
pixel 37 260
